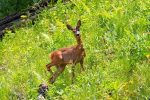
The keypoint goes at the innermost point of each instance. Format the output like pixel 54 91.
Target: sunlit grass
pixel 113 34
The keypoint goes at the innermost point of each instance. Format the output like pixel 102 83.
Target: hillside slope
pixel 116 39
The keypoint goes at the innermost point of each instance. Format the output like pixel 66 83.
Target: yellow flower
pixel 148 56
pixel 24 16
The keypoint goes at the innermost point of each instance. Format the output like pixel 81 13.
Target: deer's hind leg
pixel 73 74
pixel 48 66
pixel 59 70
pixel 55 57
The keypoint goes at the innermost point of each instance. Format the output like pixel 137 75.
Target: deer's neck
pixel 79 41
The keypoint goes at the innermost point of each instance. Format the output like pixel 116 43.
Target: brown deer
pixel 70 55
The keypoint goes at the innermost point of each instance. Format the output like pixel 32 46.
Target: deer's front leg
pixel 60 69
pixel 73 75
pixel 81 64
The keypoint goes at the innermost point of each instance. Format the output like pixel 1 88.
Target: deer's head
pixel 75 30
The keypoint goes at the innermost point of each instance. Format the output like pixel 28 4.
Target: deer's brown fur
pixel 70 55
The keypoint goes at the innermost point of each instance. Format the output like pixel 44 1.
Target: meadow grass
pixel 116 38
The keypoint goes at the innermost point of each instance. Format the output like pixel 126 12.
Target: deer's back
pixel 72 54
pixel 68 55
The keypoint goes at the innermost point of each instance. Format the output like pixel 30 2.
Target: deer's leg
pixel 60 69
pixel 73 75
pixel 48 66
pixel 81 64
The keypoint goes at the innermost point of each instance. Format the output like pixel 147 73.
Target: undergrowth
pixel 116 38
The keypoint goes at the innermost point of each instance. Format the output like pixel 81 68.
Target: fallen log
pixel 7 22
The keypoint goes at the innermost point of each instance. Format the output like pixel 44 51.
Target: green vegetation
pixel 12 6
pixel 116 38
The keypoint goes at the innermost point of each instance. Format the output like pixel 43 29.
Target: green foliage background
pixel 116 38
pixel 8 7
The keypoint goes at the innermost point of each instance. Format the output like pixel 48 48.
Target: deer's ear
pixel 78 24
pixel 69 27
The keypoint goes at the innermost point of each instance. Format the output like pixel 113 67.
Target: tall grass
pixel 116 39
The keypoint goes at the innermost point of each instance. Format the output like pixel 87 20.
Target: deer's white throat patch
pixel 78 32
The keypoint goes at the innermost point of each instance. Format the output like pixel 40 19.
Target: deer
pixel 69 55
